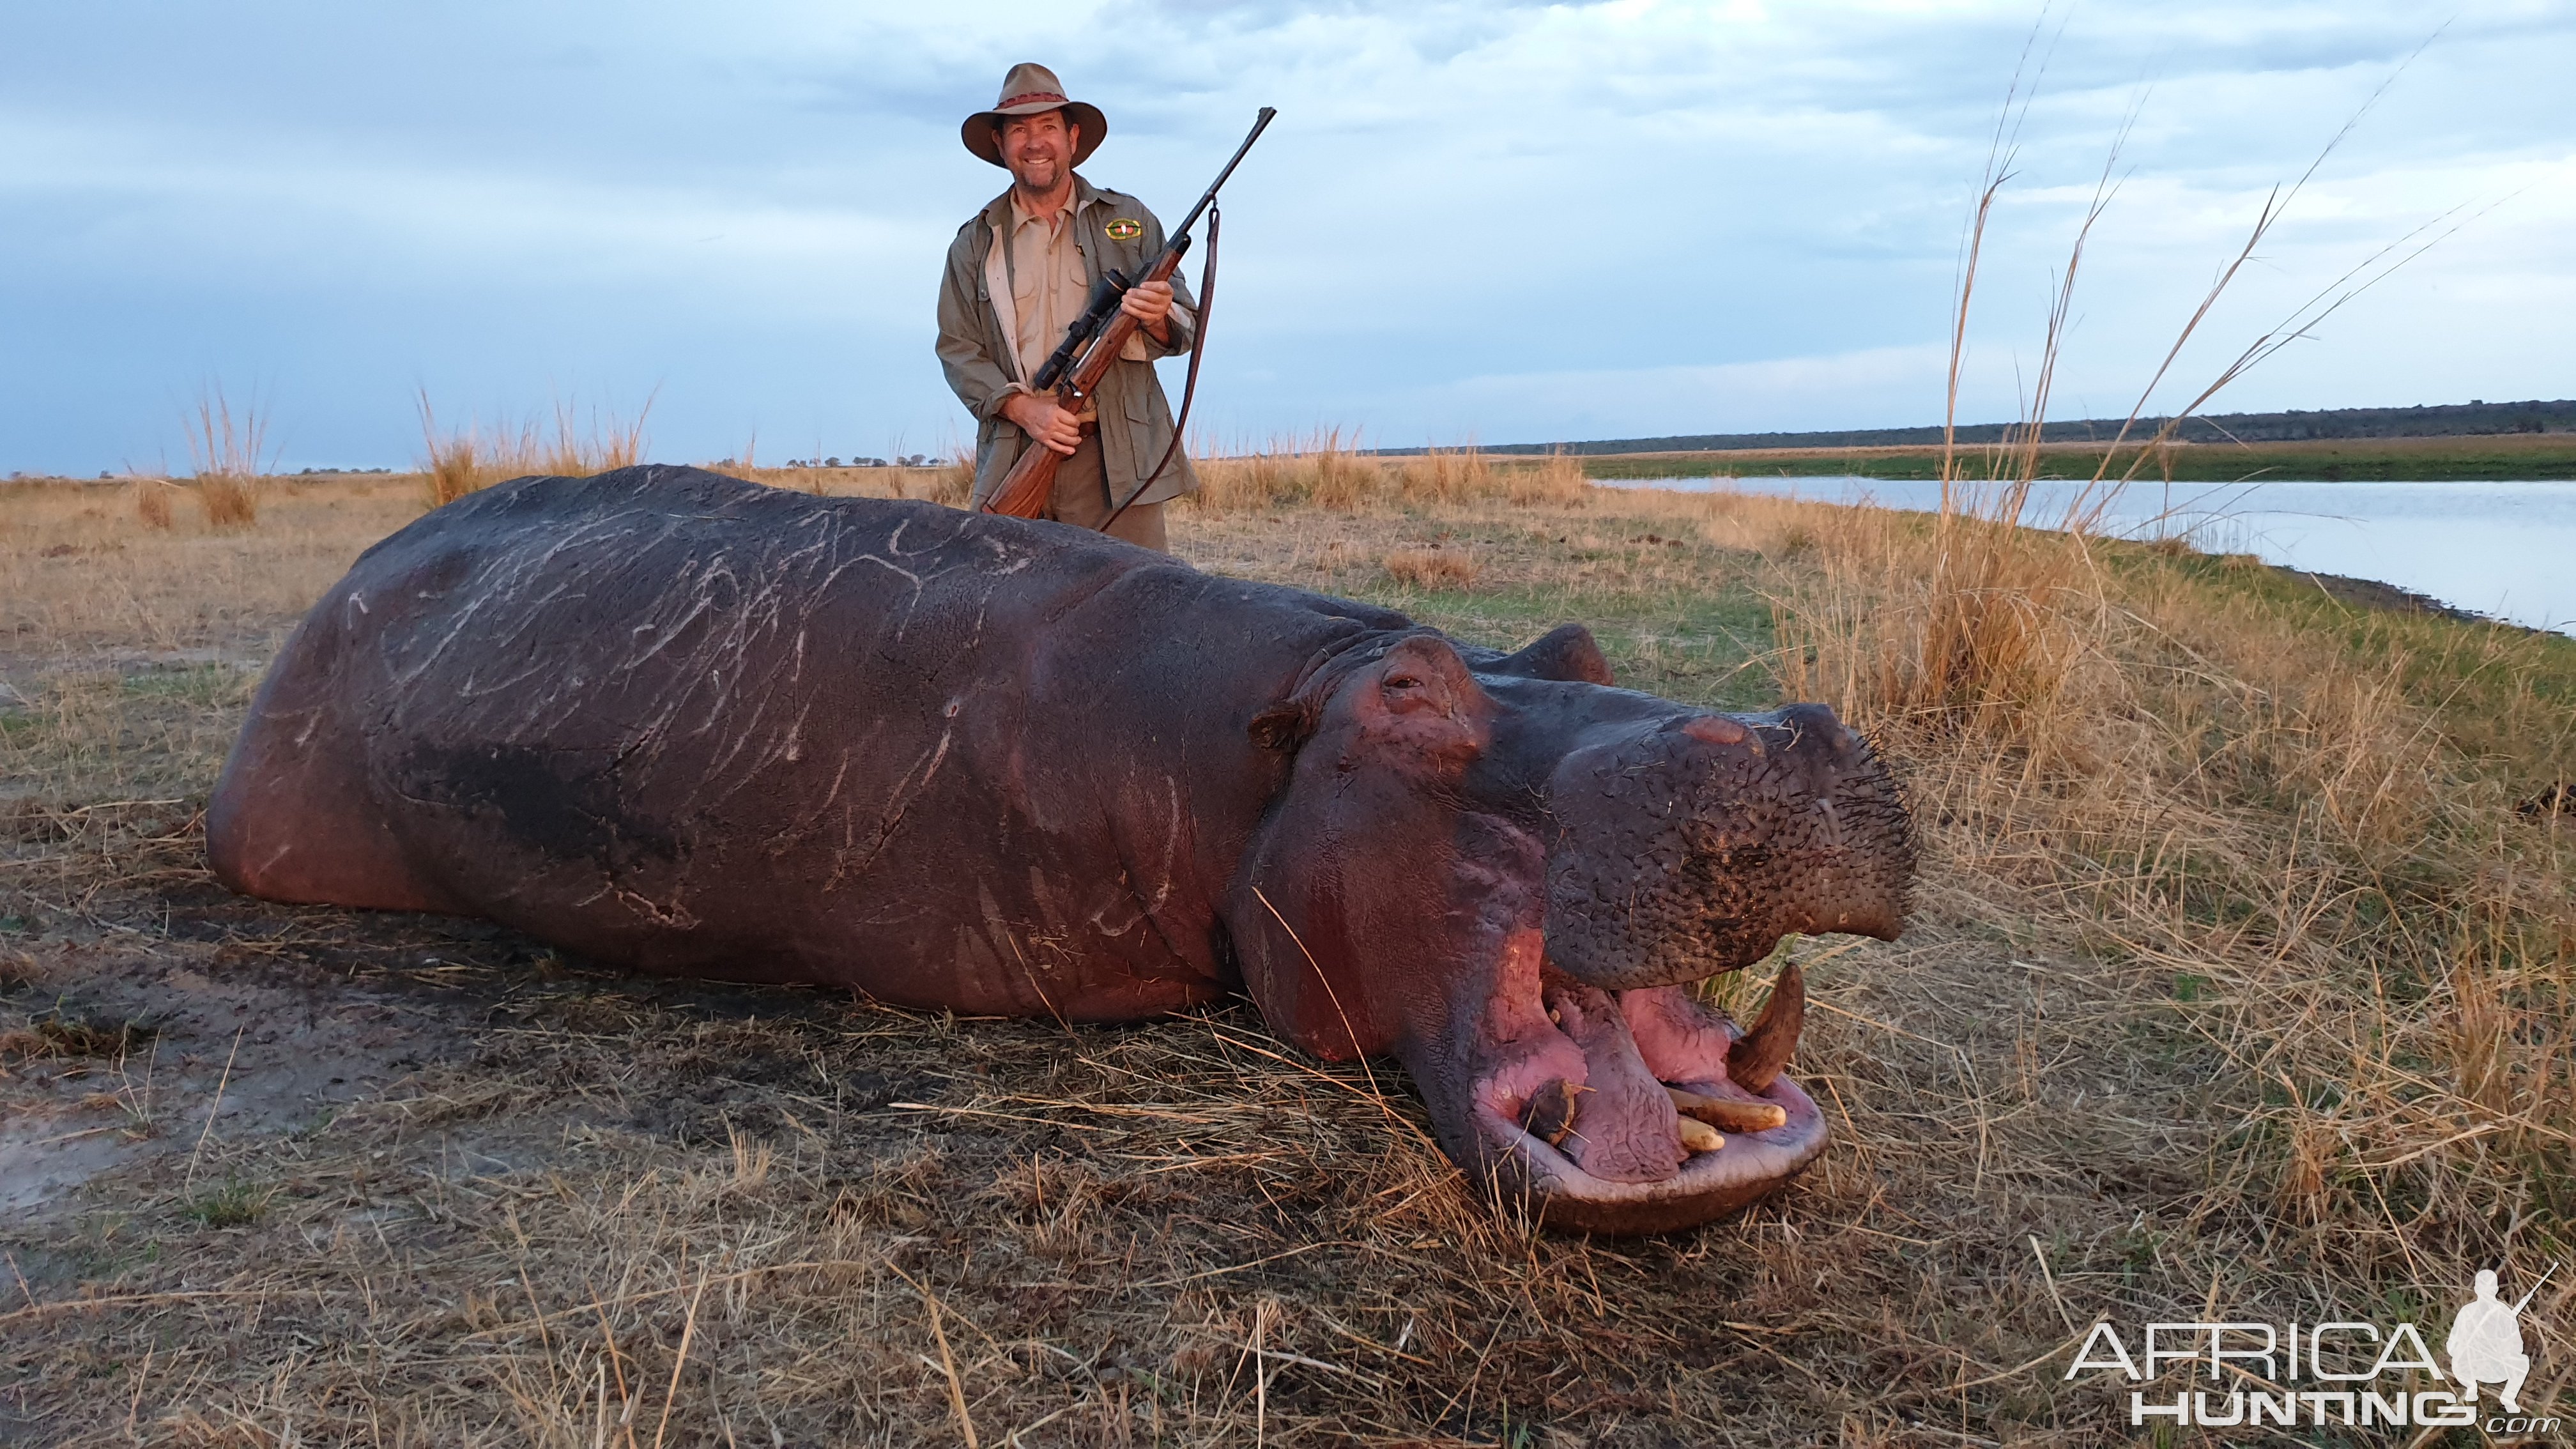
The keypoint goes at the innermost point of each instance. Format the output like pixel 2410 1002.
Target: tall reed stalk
pixel 229 451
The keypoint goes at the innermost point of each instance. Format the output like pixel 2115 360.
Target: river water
pixel 2505 550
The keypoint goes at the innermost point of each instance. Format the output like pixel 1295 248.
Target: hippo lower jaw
pixel 1574 1099
pixel 1710 1185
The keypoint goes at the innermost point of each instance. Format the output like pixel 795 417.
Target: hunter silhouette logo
pixel 2345 1372
pixel 2486 1342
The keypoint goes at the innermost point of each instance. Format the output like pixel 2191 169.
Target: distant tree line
pixel 2476 417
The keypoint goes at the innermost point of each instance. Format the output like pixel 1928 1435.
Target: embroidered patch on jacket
pixel 1125 228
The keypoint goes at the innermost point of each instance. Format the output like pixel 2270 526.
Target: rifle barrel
pixel 2534 1293
pixel 1209 198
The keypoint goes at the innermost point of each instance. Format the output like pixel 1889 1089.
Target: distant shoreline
pixel 2514 457
pixel 2476 418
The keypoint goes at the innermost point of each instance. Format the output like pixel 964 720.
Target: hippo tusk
pixel 1549 1117
pixel 1754 1062
pixel 1731 1115
pixel 1698 1136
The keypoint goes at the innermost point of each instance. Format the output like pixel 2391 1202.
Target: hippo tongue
pixel 1625 1129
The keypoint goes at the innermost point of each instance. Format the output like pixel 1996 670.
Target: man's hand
pixel 1040 417
pixel 1150 303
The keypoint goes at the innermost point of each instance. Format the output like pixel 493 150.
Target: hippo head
pixel 1512 875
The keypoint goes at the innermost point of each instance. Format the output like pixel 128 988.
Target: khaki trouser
pixel 1082 499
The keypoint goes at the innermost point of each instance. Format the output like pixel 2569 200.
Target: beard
pixel 1037 173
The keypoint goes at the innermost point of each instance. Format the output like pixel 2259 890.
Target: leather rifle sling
pixel 1190 387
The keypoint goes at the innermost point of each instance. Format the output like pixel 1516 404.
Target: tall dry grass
pixel 567 443
pixel 152 503
pixel 229 449
pixel 2205 789
pixel 2273 825
pixel 952 484
pixel 1327 470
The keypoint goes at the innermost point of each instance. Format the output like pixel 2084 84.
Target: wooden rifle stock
pixel 1026 489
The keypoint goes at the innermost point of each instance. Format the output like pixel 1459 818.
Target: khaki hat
pixel 1031 89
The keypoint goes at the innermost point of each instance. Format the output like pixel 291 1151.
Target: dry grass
pixel 570 443
pixel 2236 968
pixel 1432 568
pixel 81 576
pixel 230 452
pixel 152 503
pixel 2301 823
pixel 952 482
pixel 1327 471
pixel 2319 834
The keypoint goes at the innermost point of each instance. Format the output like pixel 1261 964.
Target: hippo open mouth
pixel 1635 1111
pixel 1514 878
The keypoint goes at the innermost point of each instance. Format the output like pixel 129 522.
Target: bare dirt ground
pixel 275 1175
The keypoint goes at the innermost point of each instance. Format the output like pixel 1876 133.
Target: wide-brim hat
pixel 1029 90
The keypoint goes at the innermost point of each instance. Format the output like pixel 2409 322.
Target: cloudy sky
pixel 1471 222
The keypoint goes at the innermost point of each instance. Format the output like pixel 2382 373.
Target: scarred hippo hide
pixel 674 720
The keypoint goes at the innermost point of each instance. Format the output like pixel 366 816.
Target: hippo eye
pixel 1402 681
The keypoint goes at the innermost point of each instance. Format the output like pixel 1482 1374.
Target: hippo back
pixel 679 720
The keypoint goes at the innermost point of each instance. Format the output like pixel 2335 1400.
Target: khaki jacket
pixel 975 345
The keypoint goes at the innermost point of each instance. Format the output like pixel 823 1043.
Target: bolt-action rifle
pixel 1093 343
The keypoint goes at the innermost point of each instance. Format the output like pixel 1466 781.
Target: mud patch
pixel 126 1056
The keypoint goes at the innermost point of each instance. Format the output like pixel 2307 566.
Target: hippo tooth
pixel 1731 1115
pixel 1698 1136
pixel 1754 1062
pixel 1549 1117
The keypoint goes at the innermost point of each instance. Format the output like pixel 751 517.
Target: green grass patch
pixel 202 684
pixel 1700 634
pixel 232 1205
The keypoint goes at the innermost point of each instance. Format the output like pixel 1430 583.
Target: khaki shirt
pixel 1048 285
pixel 981 333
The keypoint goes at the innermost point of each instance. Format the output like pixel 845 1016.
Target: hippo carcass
pixel 671 719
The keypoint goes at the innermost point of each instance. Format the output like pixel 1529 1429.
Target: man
pixel 1019 273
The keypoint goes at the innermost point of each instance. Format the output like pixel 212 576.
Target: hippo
pixel 684 723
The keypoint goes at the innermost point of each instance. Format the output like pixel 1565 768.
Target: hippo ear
pixel 1284 726
pixel 1565 652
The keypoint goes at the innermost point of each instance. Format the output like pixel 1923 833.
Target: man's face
pixel 1039 149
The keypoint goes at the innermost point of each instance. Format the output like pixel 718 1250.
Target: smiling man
pixel 1017 277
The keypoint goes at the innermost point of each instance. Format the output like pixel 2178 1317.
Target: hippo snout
pixel 1688 845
